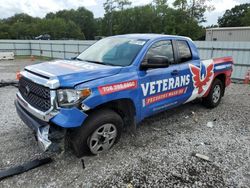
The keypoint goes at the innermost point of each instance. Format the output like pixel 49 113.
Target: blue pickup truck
pixel 114 84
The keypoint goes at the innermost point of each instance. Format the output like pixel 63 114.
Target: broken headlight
pixel 70 97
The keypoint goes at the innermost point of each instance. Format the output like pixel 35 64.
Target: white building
pixel 228 34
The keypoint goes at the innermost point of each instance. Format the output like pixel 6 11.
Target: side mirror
pixel 155 62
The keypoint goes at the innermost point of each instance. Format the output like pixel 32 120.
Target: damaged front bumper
pixel 50 127
pixel 43 138
pixel 48 138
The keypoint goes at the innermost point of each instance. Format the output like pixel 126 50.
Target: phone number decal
pixel 112 88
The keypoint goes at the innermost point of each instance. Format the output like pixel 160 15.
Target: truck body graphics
pixel 150 91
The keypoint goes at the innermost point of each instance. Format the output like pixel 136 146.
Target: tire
pixel 215 94
pixel 101 129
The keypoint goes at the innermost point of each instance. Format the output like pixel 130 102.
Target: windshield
pixel 113 51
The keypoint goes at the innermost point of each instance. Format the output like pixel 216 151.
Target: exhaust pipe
pixel 43 138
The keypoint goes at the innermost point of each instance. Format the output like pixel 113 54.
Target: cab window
pixel 184 51
pixel 161 48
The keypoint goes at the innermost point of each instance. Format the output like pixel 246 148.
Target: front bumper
pixel 40 127
pixel 50 123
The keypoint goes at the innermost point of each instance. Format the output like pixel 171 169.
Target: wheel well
pixel 124 107
pixel 222 78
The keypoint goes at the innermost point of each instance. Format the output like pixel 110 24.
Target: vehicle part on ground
pixel 8 83
pixel 24 167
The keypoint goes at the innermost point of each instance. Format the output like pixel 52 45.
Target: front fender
pixel 69 118
pixel 122 86
pixel 98 100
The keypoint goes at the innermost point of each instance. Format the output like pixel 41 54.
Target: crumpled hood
pixel 73 72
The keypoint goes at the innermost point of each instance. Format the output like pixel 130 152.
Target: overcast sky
pixel 40 8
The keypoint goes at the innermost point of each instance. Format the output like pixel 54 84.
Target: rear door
pixel 185 59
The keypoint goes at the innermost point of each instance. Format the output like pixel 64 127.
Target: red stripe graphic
pixel 223 60
pixel 162 96
pixel 112 88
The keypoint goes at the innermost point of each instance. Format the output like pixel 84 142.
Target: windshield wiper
pixel 99 62
pixel 78 59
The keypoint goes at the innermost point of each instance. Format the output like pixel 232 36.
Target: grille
pixel 36 95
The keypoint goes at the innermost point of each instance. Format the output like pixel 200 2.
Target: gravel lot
pixel 161 153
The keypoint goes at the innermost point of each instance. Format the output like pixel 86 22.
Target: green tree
pixel 121 4
pixel 110 6
pixel 246 19
pixel 19 26
pixel 81 17
pixel 157 17
pixel 4 31
pixel 180 4
pixel 59 28
pixel 23 18
pixel 237 16
pixel 195 8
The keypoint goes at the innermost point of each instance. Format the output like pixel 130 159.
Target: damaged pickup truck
pixel 115 84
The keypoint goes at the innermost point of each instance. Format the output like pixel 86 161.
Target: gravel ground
pixel 160 155
pixel 9 68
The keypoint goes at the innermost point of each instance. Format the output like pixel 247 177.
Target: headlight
pixel 69 97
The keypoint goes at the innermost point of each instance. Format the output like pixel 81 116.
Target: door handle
pixel 174 72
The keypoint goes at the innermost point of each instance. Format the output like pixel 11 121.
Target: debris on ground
pixel 83 164
pixel 156 129
pixel 23 168
pixel 204 157
pixel 8 83
pixel 210 124
pixel 194 117
pixel 129 185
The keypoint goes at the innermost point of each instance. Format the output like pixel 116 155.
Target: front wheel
pixel 98 134
pixel 215 94
pixel 103 138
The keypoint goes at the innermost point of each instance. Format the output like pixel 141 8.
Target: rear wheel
pixel 98 134
pixel 215 94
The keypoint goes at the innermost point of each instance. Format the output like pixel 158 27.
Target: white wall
pixel 228 35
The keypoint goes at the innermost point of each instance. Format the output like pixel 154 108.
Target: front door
pixel 164 87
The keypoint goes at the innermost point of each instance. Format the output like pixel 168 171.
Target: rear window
pixel 184 51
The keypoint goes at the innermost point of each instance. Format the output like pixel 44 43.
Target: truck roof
pixel 149 36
